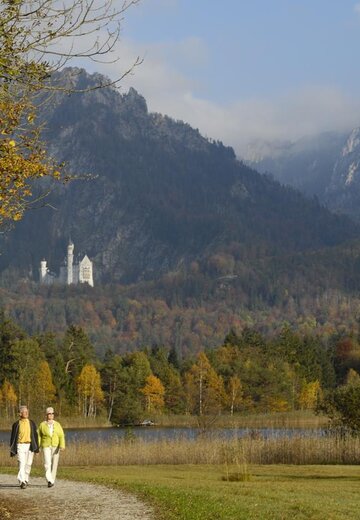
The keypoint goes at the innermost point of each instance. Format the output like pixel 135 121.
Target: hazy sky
pixel 241 70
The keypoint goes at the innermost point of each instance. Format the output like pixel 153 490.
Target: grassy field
pixel 221 492
pixel 276 492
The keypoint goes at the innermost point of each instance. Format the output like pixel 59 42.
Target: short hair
pixel 22 407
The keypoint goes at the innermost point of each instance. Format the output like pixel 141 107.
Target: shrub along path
pixel 67 500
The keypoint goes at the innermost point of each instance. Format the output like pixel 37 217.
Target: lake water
pixel 154 433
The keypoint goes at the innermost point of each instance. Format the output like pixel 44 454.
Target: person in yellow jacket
pixel 51 440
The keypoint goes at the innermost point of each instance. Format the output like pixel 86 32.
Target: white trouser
pixel 51 460
pixel 25 458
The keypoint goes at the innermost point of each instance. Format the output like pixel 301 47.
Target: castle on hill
pixel 71 272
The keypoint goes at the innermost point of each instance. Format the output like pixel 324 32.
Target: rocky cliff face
pixel 327 166
pixel 306 164
pixel 160 194
pixel 343 192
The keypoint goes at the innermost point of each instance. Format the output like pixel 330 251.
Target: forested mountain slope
pixel 161 197
pixel 187 241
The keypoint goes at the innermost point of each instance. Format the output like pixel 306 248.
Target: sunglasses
pixel 50 413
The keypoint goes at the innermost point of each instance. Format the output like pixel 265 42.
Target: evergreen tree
pixel 9 333
pixel 128 407
pixel 112 375
pixel 50 347
pixel 27 356
pixel 77 351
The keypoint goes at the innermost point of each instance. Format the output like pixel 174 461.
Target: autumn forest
pixel 245 373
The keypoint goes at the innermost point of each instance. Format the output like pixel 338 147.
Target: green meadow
pixel 208 492
pixel 199 492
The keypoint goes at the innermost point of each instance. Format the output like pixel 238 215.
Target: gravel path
pixel 67 501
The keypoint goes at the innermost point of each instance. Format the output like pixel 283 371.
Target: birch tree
pixel 9 399
pixel 234 393
pixel 205 389
pixel 154 392
pixel 44 387
pixel 90 394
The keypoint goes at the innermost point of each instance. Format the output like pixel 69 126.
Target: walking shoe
pixel 50 484
pixel 23 485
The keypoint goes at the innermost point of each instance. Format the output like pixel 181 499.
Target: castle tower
pixel 71 272
pixel 70 262
pixel 43 271
pixel 86 271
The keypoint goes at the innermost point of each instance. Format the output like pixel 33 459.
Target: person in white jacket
pixel 51 441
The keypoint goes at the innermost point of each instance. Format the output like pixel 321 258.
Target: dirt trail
pixel 67 501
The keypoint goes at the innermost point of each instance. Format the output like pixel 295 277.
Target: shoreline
pixel 282 420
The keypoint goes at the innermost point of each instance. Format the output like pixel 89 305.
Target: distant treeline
pixel 245 373
pixel 187 311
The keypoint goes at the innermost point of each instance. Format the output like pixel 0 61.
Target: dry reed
pixel 296 449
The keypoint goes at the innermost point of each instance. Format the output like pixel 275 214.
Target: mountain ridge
pixel 162 197
pixel 187 241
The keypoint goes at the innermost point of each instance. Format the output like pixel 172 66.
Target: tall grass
pixel 260 450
